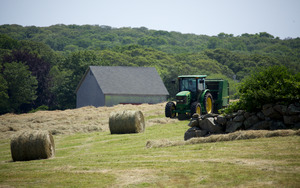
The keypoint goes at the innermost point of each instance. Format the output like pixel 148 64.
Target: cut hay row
pixel 81 120
pixel 239 135
pixel 126 122
pixel 30 145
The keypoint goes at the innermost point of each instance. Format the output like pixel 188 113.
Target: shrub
pixel 40 108
pixel 233 107
pixel 274 84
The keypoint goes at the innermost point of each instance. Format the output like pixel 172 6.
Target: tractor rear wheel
pixel 208 103
pixel 196 108
pixel 170 110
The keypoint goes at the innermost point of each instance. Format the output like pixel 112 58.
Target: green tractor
pixel 198 95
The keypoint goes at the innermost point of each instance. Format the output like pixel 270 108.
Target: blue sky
pixel 280 18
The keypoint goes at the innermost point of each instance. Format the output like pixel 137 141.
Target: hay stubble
pixel 81 120
pixel 98 159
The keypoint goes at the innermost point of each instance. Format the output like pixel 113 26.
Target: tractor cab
pixel 192 83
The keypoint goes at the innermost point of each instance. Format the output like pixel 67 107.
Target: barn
pixel 112 85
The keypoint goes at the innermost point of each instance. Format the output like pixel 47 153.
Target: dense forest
pixel 40 67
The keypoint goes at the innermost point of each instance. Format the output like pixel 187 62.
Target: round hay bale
pixel 30 145
pixel 126 122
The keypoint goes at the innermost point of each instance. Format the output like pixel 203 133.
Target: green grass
pixel 100 159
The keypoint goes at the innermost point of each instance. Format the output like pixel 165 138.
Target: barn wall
pixel 111 100
pixel 89 93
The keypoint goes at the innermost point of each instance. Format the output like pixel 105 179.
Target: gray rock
pixel 251 121
pixel 293 109
pixel 282 109
pixel 277 125
pixel 194 123
pixel 270 112
pixel 266 106
pixel 262 125
pixel 248 114
pixel 232 126
pixel 209 115
pixel 296 126
pixel 240 112
pixel 290 120
pixel 260 115
pixel 192 129
pixel 209 125
pixel 268 119
pixel 230 116
pixel 239 118
pixel 194 132
pixel 195 116
pixel 221 120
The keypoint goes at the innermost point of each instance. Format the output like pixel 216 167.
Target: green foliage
pixel 59 55
pixel 40 108
pixel 21 85
pixel 213 43
pixel 61 87
pixel 152 41
pixel 233 107
pixel 271 85
pixel 67 76
pixel 4 98
pixel 7 43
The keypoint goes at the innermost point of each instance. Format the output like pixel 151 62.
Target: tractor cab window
pixel 188 84
pixel 201 85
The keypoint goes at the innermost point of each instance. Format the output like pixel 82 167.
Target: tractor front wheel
pixel 170 110
pixel 208 103
pixel 196 108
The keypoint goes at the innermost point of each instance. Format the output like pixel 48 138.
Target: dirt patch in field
pixel 86 119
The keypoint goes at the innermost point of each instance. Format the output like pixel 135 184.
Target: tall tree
pixel 3 94
pixel 21 85
pixel 39 68
pixel 67 77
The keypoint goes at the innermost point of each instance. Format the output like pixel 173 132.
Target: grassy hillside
pixel 58 56
pixel 99 159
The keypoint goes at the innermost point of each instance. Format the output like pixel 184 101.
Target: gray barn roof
pixel 128 80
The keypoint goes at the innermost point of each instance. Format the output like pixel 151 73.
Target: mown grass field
pixel 99 159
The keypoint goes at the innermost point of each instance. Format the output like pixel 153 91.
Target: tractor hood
pixel 183 98
pixel 183 93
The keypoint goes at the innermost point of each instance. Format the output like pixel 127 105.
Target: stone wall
pixel 270 117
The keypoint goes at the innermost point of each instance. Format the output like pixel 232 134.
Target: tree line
pixel 40 67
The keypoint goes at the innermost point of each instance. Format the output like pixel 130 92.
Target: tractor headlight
pixel 181 99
